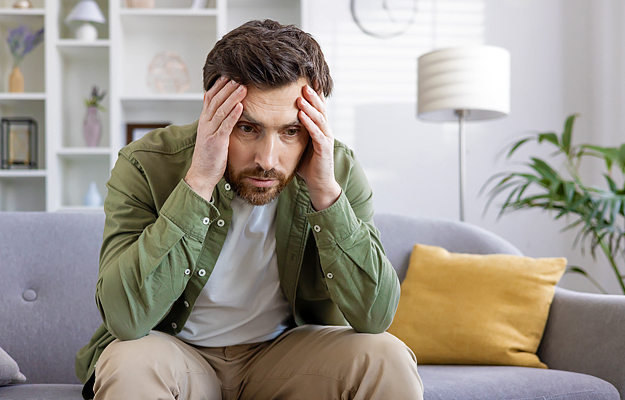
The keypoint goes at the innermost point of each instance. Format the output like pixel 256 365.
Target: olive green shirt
pixel 162 240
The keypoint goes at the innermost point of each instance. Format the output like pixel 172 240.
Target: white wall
pixel 567 56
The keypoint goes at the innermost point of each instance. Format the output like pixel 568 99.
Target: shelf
pixel 6 96
pixel 14 17
pixel 173 108
pixel 165 97
pixel 84 151
pixel 168 12
pixel 12 12
pixel 22 173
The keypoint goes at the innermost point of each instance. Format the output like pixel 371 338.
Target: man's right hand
pixel 220 113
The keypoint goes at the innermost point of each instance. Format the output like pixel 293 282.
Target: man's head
pixel 275 62
pixel 268 55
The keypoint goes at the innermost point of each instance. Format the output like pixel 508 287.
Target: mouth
pixel 260 182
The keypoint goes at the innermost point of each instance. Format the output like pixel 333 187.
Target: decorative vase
pixel 92 197
pixel 92 127
pixel 16 81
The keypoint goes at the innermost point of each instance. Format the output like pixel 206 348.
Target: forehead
pixel 282 99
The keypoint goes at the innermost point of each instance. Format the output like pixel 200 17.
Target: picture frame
pixel 18 143
pixel 135 131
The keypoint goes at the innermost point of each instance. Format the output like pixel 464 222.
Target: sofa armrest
pixel 585 333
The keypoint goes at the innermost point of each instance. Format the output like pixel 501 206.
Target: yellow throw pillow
pixel 475 309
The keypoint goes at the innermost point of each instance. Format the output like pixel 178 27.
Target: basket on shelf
pixel 140 3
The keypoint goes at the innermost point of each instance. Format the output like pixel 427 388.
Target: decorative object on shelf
pixel 136 131
pixel 140 3
pixel 383 19
pixel 167 73
pixel 87 11
pixel 21 42
pixel 92 125
pixel 92 197
pixel 22 4
pixel 596 212
pixel 463 84
pixel 18 143
pixel 199 4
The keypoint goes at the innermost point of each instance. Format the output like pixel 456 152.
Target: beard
pixel 257 196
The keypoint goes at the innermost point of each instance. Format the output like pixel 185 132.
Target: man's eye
pixel 291 132
pixel 246 128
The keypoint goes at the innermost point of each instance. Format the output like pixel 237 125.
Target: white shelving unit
pixel 59 75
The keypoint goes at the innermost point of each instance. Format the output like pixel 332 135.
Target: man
pixel 240 259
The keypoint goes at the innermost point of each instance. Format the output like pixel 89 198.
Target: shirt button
pixel 221 223
pixel 206 221
pixel 186 304
pixel 329 275
pixel 317 228
pixel 174 325
pixel 202 272
pixel 187 271
pixel 227 186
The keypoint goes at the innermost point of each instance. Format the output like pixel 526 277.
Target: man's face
pixel 266 143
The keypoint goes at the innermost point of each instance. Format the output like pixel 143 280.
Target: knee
pixel 385 348
pixel 130 357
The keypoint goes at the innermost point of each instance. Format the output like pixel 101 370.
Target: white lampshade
pixel 86 11
pixel 473 78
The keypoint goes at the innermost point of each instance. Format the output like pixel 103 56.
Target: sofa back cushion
pixel 49 269
pixel 400 233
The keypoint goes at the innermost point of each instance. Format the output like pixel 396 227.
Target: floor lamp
pixel 463 84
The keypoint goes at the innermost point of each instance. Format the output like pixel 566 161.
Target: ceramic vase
pixel 92 127
pixel 16 81
pixel 92 197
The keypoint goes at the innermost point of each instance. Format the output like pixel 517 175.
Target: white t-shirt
pixel 242 301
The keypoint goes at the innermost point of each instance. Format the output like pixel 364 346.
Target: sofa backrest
pixel 49 269
pixel 399 234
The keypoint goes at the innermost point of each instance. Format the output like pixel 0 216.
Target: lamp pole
pixel 462 149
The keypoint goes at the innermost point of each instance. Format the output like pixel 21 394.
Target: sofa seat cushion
pixel 41 392
pixel 511 383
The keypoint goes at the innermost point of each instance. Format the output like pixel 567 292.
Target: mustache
pixel 260 172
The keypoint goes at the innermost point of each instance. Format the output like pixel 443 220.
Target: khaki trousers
pixel 308 362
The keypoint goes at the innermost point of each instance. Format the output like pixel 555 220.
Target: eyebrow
pixel 245 116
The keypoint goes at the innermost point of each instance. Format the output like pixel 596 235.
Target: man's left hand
pixel 317 165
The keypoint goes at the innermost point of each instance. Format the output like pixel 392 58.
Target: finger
pixel 217 101
pixel 228 105
pixel 227 125
pixel 210 93
pixel 315 99
pixel 313 129
pixel 315 115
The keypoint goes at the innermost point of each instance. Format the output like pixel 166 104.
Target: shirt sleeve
pixel 147 256
pixel 360 279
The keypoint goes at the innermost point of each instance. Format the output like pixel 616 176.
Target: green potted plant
pixel 597 213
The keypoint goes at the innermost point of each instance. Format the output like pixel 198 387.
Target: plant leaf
pixel 549 137
pixel 568 132
pixel 581 271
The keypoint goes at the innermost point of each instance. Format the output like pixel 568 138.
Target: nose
pixel 267 152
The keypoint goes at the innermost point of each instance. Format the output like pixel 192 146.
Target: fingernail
pixel 309 89
pixel 233 82
pixel 222 78
pixel 240 88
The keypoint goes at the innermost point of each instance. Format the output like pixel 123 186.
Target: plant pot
pixel 92 127
pixel 16 81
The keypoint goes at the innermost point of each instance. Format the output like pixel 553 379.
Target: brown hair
pixel 268 55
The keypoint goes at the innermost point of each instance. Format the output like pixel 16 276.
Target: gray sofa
pixel 49 266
